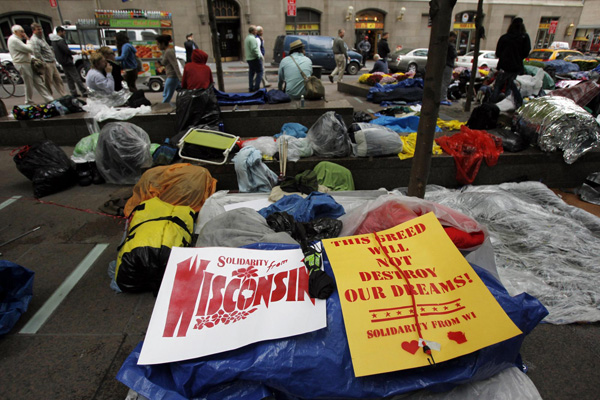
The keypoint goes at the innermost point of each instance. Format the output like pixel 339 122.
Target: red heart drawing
pixel 411 346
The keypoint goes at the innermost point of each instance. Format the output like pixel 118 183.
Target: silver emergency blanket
pixel 554 122
pixel 542 245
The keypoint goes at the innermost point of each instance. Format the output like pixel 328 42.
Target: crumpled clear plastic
pixel 102 107
pixel 328 136
pixel 265 144
pixel 554 122
pixel 122 152
pixel 297 147
pixel 542 245
pixel 85 149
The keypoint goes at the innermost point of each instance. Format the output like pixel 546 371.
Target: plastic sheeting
pixel 375 140
pixel 296 147
pixel 252 174
pixel 364 219
pixel 531 85
pixel 239 227
pixel 265 144
pixel 16 291
pixel 329 136
pixel 179 184
pixel 319 365
pixel 510 384
pixel 85 149
pixel 542 245
pixel 122 152
pixel 554 122
pixel 215 205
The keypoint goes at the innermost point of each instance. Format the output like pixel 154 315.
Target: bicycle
pixel 9 79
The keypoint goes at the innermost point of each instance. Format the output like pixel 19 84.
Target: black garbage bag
pixel 484 117
pixel 320 228
pixel 511 141
pixel 47 166
pixel 196 107
pixel 590 189
pixel 329 136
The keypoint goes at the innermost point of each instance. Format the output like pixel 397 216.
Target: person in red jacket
pixel 196 74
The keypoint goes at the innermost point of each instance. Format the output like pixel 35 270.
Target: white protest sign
pixel 215 299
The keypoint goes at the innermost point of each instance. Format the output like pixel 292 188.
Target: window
pixel 306 22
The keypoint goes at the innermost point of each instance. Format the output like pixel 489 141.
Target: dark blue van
pixel 318 48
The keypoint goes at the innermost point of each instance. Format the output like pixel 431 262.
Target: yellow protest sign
pixel 407 287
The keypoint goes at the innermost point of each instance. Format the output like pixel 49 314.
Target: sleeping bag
pixel 154 229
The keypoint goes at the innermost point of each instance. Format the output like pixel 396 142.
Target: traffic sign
pixel 53 3
pixel 291 8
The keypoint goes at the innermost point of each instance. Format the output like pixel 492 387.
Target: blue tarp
pixel 16 290
pixel 402 125
pixel 561 66
pixel 315 205
pixel 407 83
pixel 318 364
pixel 230 99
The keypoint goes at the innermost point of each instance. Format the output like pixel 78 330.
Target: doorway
pixel 227 15
pixel 368 23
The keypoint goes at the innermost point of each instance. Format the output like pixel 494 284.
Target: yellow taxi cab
pixel 551 54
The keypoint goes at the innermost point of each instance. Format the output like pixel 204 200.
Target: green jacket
pixel 251 49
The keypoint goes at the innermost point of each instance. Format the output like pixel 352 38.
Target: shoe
pixel 330 78
pixel 446 103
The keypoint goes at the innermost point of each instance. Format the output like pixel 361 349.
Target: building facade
pixel 406 21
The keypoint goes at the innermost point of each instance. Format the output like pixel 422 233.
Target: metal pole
pixel 215 43
pixel 474 68
pixel 440 12
pixel 59 13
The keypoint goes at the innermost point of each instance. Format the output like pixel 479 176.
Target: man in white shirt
pixel 43 51
pixel 261 44
pixel 21 58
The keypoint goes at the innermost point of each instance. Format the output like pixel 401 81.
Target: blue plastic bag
pixel 16 290
pixel 318 364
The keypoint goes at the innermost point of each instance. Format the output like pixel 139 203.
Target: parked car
pixel 550 54
pixel 487 58
pixel 318 48
pixel 408 60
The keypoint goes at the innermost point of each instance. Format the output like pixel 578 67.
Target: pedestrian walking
pixel 127 57
pixel 365 47
pixel 43 51
pixel 253 58
pixel 172 72
pixel 261 44
pixel 383 47
pixel 21 58
pixel 340 54
pixel 448 68
pixel 190 46
pixel 64 56
pixel 511 49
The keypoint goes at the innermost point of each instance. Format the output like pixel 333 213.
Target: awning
pixel 581 39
